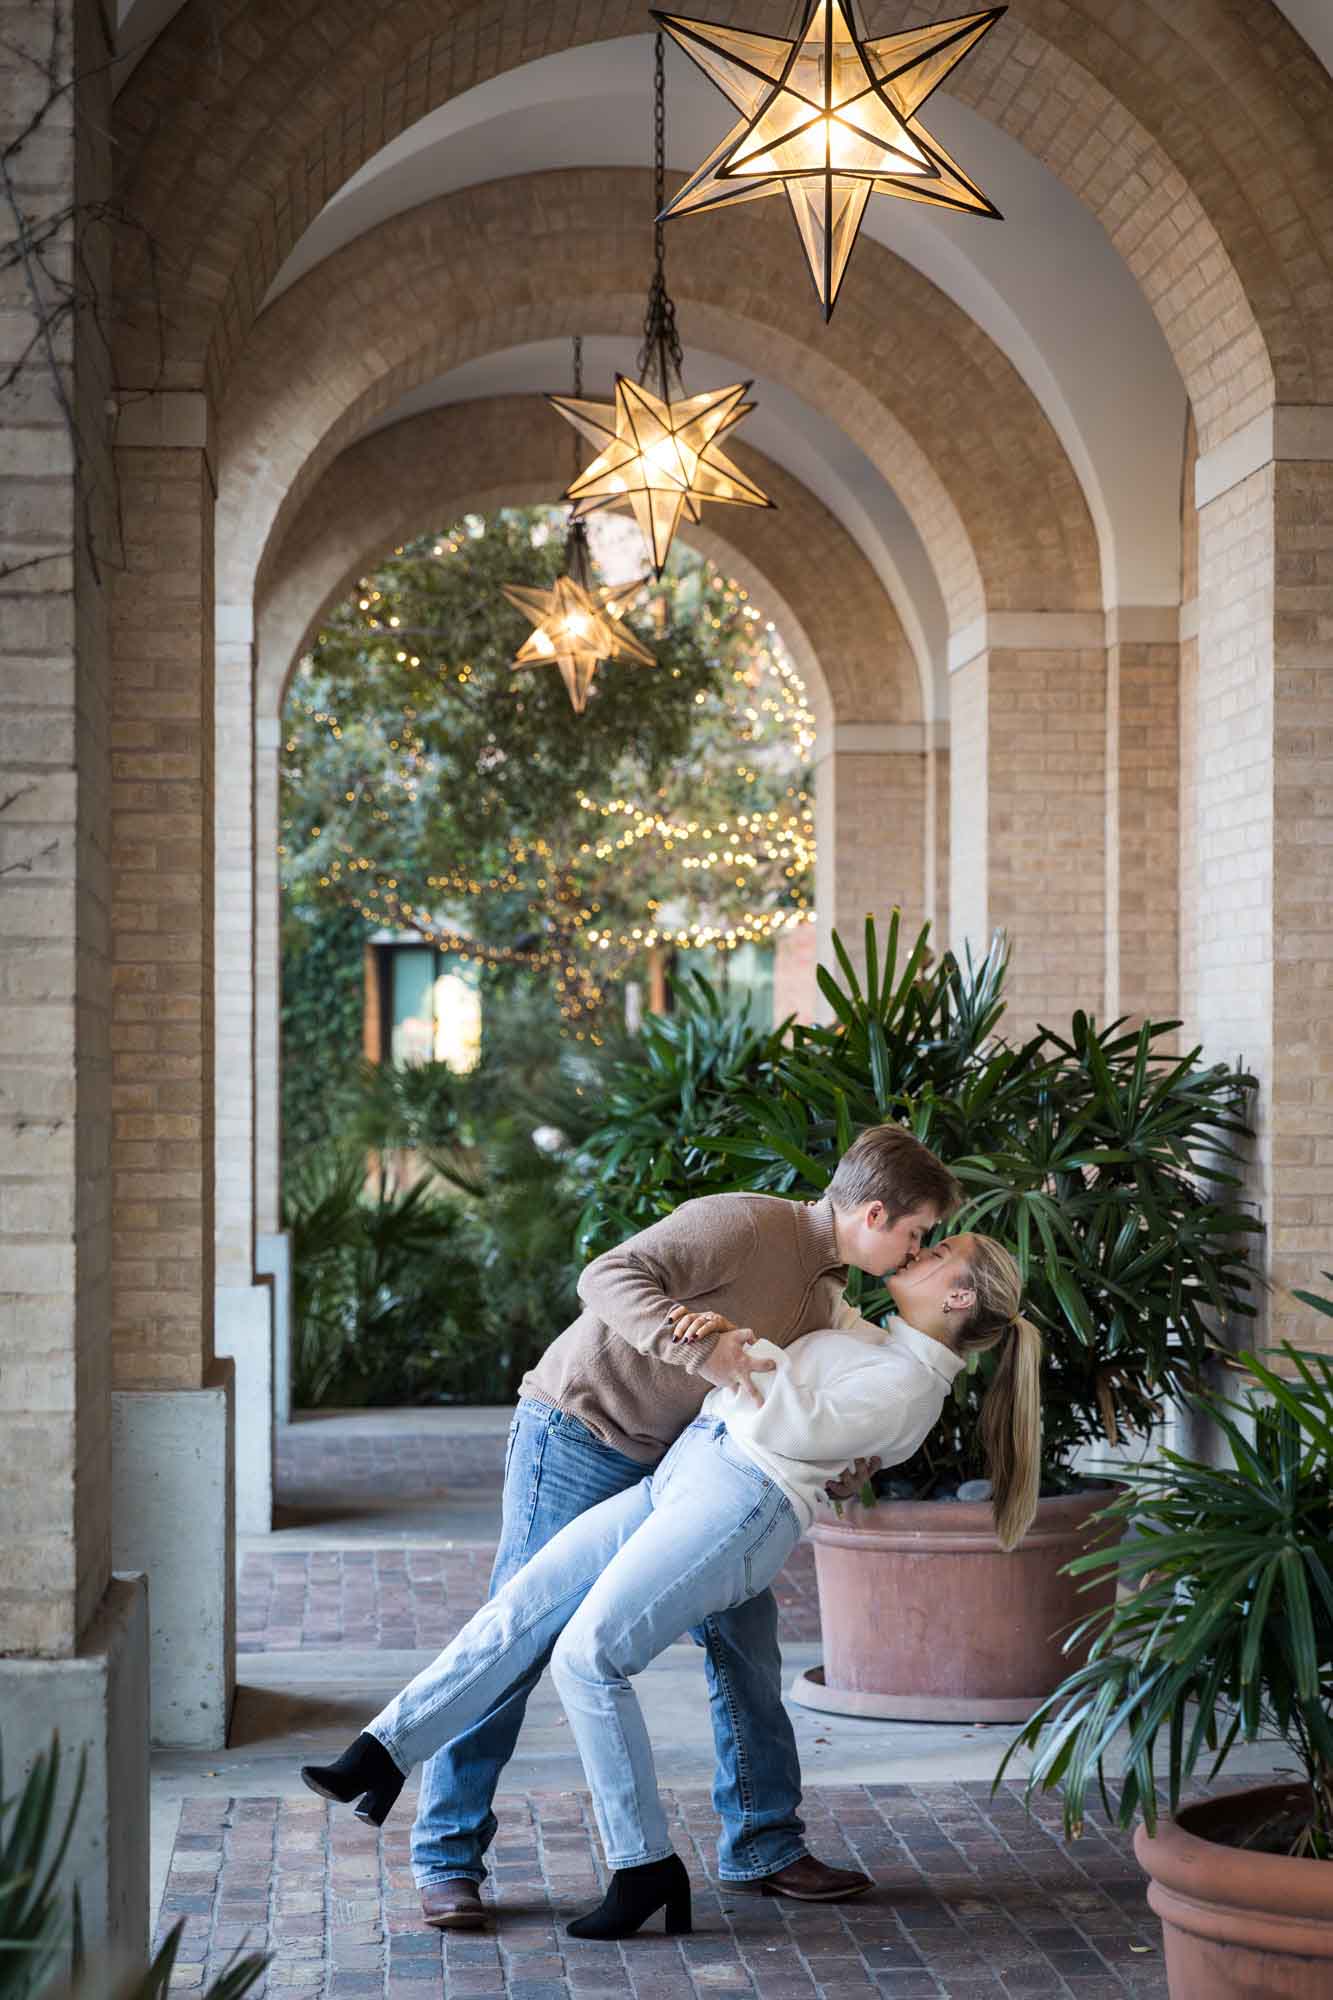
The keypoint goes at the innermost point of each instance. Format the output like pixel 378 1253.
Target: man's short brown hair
pixel 887 1164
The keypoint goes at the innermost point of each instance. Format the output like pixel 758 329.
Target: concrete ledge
pixel 243 1334
pixel 1027 632
pixel 273 1260
pixel 98 1701
pixel 1285 431
pixel 172 1515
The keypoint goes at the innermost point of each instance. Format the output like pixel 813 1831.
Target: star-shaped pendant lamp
pixel 828 119
pixel 576 624
pixel 660 455
pixel 659 451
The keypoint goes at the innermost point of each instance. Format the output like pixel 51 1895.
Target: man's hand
pixel 849 1483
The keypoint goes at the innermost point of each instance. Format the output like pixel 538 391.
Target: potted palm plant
pixel 1103 1162
pixel 1225 1631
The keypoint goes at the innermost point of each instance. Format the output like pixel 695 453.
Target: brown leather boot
pixel 455 1905
pixel 807 1881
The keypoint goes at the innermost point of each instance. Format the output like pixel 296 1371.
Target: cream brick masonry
pixel 54 885
pixel 72 1639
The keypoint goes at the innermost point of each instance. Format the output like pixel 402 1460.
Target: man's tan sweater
pixel 763 1262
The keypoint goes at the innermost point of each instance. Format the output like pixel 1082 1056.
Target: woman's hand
pixel 729 1365
pixel 692 1327
pixel 848 1484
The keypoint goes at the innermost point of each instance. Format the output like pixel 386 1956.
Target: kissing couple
pixel 669 1450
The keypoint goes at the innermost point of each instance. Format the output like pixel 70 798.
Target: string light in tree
pixel 659 451
pixel 828 119
pixel 747 863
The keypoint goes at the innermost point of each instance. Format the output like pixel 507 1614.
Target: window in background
pixel 434 1011
pixel 745 974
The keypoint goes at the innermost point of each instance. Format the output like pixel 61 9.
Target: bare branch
pixel 52 555
pixel 26 867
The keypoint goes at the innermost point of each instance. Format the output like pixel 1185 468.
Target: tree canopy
pixel 427 785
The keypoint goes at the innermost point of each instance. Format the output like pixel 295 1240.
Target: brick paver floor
pixel 316 1463
pixel 413 1597
pixel 974 1901
pixel 401 1597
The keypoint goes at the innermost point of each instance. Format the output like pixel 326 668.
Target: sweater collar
pixel 819 1237
pixel 941 1360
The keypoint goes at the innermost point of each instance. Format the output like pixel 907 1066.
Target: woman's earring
pixel 946 1307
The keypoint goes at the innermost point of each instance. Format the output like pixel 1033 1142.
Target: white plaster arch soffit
pixel 278 417
pixel 284 625
pixel 1046 285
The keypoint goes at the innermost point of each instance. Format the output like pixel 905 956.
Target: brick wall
pixel 794 962
pixel 1301 1142
pixel 1229 726
pixel 938 802
pixel 162 828
pixel 1028 754
pixel 1142 829
pixel 969 817
pixel 1046 839
pixel 233 949
pixel 54 1062
pixel 870 821
pixel 268 981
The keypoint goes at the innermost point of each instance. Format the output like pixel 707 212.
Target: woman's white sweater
pixel 857 1391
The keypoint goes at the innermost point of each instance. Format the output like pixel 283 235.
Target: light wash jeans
pixel 704 1533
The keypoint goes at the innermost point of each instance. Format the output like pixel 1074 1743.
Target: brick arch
pixel 928 396
pixel 514 450
pixel 1199 134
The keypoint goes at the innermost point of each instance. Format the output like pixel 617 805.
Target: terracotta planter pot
pixel 1237 1925
pixel 926 1619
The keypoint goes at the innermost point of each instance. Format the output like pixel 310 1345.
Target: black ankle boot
pixel 634 1895
pixel 366 1768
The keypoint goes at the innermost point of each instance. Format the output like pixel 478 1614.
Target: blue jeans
pixel 555 1470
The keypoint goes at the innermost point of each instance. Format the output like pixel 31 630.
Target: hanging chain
pixel 661 351
pixel 578 395
pixel 576 540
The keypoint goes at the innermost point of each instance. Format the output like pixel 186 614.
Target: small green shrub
pixel 1224 1629
pixel 40 1930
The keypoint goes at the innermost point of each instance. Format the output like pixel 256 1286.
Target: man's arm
pixel 687 1255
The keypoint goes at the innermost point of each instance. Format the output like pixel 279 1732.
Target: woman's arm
pixel 832 1404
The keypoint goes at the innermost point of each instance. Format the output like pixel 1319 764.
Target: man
pixel 601 1408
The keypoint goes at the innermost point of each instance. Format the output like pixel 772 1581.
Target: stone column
pixel 243 1307
pixel 1142 813
pixel 1260 739
pixel 1027 807
pixel 937 830
pixel 73 1638
pixel 272 1243
pixel 172 1456
pixel 870 829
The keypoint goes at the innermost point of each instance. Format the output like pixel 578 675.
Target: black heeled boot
pixel 634 1895
pixel 366 1768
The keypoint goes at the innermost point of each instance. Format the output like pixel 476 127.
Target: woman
pixel 709 1528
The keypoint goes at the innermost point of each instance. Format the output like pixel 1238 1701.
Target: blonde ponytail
pixel 1011 1410
pixel 1011 1432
